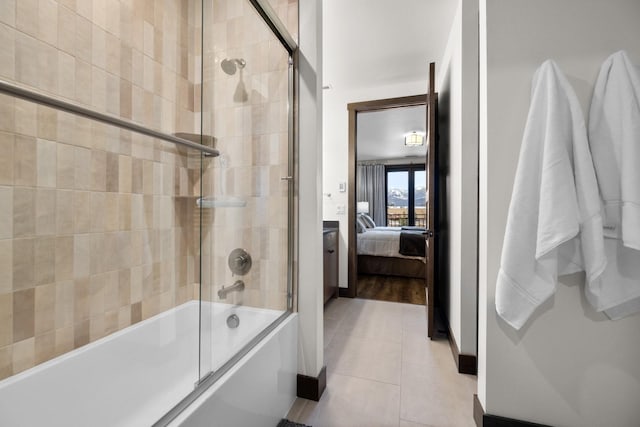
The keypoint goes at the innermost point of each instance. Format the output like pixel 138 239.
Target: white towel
pixel 614 134
pixel 554 225
pixel 614 138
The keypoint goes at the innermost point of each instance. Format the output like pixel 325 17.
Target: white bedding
pixel 382 241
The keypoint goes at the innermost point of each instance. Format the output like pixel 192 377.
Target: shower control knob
pixel 239 261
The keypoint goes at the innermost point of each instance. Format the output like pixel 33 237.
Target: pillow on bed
pixel 368 221
pixel 360 226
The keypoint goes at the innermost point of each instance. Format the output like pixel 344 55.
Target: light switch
pixel 342 187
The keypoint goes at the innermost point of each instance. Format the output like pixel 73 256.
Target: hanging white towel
pixel 554 225
pixel 614 138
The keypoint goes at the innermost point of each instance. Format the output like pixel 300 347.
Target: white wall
pixel 309 156
pixel 335 154
pixel 458 83
pixel 569 366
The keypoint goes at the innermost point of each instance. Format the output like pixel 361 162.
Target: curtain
pixel 370 187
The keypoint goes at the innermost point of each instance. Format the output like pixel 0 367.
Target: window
pixel 406 195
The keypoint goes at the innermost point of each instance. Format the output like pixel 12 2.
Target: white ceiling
pixel 377 42
pixel 380 134
pixel 372 43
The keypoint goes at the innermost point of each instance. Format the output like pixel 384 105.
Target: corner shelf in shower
pixel 220 202
pixel 201 139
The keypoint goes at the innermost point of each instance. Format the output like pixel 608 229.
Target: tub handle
pixel 239 261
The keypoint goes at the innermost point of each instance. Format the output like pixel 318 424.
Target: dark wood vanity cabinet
pixel 330 260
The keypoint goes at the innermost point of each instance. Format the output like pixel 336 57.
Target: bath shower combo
pixel 166 289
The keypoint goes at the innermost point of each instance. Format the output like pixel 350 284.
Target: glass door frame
pixel 411 169
pixel 271 19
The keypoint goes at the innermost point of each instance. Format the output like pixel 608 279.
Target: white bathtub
pixel 135 376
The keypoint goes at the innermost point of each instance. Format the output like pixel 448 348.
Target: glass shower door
pixel 246 205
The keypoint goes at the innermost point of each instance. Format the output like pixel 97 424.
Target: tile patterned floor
pixel 383 371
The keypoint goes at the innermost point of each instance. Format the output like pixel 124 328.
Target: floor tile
pixel 434 397
pixel 418 348
pixel 331 326
pixel 387 328
pixel 382 370
pixel 405 423
pixel 375 320
pixel 337 308
pixel 301 410
pixel 414 319
pixel 366 358
pixel 356 402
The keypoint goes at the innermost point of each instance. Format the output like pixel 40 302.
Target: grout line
pixel 365 379
pixel 413 422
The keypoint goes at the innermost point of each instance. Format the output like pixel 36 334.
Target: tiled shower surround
pixel 97 224
pixel 99 227
pixel 247 113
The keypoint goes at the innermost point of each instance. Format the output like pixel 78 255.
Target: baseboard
pixel 344 293
pixel 466 363
pixel 312 387
pixel 488 420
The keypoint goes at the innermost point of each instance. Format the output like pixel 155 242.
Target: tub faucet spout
pixel 238 286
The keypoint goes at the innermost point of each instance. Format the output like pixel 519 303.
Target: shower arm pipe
pixel 29 95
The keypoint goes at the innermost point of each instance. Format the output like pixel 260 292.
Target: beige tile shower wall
pixel 97 224
pixel 131 58
pixel 247 112
pixel 287 11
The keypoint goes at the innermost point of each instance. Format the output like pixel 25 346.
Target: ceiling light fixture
pixel 414 139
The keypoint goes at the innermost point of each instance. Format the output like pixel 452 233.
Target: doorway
pixel 357 223
pixel 390 207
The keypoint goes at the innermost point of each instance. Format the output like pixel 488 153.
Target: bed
pixel 391 251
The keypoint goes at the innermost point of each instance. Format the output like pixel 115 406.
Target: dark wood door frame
pixel 432 229
pixel 354 109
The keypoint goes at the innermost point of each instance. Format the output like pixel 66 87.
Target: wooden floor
pixel 390 288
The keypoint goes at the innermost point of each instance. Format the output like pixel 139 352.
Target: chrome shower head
pixel 230 66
